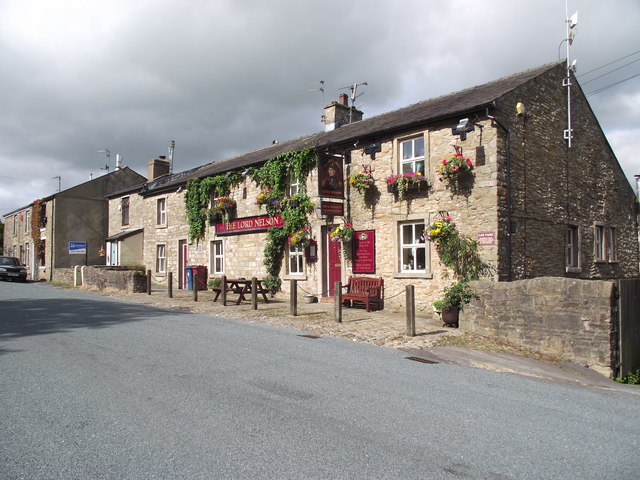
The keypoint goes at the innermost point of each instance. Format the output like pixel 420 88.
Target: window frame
pixel 214 256
pixel 296 257
pixel 573 263
pixel 294 186
pixel 27 253
pixel 415 247
pixel 413 159
pixel 125 206
pixel 604 243
pixel 161 260
pixel 27 223
pixel 161 212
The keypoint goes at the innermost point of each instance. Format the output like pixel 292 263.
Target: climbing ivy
pixel 276 174
pixel 198 197
pixel 37 221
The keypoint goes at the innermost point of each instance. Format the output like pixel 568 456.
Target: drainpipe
pixel 51 241
pixel 509 215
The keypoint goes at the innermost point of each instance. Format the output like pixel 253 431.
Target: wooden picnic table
pixel 242 287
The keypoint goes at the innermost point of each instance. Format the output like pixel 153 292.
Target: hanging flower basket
pixel 453 168
pixel 102 252
pixel 301 237
pixel 362 181
pixel 402 183
pixel 223 207
pixel 342 233
pixel 441 230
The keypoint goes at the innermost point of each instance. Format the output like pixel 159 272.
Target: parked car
pixel 12 269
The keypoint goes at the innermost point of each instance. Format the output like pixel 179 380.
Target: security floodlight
pixel 464 126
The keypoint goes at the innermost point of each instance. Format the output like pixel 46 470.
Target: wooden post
pixel 148 282
pixel 170 284
pixel 337 298
pixel 254 293
pixel 223 293
pixel 195 286
pixel 293 298
pixel 411 311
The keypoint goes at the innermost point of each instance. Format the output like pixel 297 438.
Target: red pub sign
pixel 249 225
pixel 364 251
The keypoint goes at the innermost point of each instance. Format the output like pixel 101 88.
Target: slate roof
pixel 428 111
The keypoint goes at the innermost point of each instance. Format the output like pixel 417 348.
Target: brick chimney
pixel 158 167
pixel 339 113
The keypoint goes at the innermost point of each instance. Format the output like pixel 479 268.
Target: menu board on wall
pixel 364 251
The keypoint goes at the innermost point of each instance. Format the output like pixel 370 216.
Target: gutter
pixel 509 206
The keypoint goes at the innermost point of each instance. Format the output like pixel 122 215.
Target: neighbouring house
pixel 535 206
pixel 53 234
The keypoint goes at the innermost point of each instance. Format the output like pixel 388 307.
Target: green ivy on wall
pixel 198 197
pixel 37 221
pixel 276 174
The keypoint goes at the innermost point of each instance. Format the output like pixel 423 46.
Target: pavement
pixel 432 342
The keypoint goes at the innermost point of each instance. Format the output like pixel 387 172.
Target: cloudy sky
pixel 224 77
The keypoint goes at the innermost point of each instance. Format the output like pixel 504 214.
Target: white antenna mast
pixel 172 148
pixel 571 22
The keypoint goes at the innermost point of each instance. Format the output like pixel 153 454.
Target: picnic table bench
pixel 367 290
pixel 242 287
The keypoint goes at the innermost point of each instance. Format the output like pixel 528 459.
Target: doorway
pixel 183 255
pixel 332 261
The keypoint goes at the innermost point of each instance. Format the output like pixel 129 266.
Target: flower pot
pixel 309 299
pixel 450 316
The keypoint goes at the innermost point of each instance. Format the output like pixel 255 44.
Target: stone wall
pixel 62 275
pixel 570 319
pixel 552 186
pixel 120 278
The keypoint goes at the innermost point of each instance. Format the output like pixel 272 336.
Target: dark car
pixel 12 269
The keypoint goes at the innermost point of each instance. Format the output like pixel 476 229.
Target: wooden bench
pixel 367 290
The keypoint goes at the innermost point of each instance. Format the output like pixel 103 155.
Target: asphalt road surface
pixel 95 388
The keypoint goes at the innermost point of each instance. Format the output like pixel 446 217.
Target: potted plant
pixel 403 182
pixel 453 168
pixel 223 206
pixel 455 298
pixel 342 233
pixel 441 230
pixel 362 181
pixel 215 283
pixel 300 237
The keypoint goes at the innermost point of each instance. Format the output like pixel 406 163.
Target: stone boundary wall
pixel 570 319
pixel 120 278
pixel 61 275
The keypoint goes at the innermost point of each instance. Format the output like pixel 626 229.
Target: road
pixel 95 388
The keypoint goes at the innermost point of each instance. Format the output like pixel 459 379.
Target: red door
pixel 334 264
pixel 182 262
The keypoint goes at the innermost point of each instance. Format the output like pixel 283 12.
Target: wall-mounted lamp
pixel 520 109
pixel 464 126
pixel 179 190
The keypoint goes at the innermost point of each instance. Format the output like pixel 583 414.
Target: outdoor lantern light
pixel 464 126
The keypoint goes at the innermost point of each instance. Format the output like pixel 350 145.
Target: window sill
pixel 302 276
pixel 161 226
pixel 573 270
pixel 425 275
